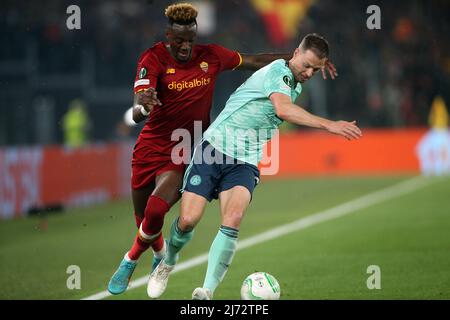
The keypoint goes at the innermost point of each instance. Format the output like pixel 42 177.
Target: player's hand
pixel 331 70
pixel 349 130
pixel 149 99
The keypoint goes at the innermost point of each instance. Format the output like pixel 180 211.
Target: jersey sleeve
pixel 229 59
pixel 277 79
pixel 147 73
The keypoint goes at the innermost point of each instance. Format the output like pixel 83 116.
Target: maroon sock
pixel 155 211
pixel 149 233
pixel 140 245
pixel 158 243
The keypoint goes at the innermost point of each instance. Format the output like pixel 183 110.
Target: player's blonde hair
pixel 181 13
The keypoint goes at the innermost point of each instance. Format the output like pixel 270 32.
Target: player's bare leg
pixel 192 209
pixel 233 203
pixel 151 203
pixel 167 188
pixel 121 278
pixel 164 195
pixel 140 198
pixel 153 207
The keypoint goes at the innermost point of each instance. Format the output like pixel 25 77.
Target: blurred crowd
pixel 390 75
pixel 387 77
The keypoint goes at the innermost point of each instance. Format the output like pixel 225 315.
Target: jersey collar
pixel 286 63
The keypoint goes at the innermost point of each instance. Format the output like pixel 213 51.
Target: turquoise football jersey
pixel 249 120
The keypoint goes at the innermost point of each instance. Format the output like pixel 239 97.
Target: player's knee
pixel 187 223
pixel 233 218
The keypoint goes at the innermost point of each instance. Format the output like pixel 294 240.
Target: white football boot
pixel 157 282
pixel 202 294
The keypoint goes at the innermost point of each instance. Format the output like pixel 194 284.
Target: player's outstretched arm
pixel 143 104
pixel 254 62
pixel 290 112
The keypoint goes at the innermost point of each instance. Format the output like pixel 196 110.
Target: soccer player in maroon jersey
pixel 173 88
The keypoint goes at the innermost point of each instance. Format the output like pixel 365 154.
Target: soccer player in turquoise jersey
pixel 224 163
pixel 173 88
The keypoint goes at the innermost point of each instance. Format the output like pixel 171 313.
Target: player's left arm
pixel 254 62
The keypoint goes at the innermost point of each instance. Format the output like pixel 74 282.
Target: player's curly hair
pixel 181 13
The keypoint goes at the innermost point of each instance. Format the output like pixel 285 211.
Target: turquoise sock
pixel 177 241
pixel 220 256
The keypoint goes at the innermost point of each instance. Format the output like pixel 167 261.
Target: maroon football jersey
pixel 185 91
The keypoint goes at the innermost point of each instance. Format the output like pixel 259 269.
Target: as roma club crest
pixel 204 66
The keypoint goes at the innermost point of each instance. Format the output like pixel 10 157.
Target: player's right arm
pixel 143 104
pixel 286 110
pixel 145 95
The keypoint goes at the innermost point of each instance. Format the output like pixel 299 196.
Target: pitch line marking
pixel 396 190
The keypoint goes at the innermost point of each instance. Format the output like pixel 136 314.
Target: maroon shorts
pixel 145 174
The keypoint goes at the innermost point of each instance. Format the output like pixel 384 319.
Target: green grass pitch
pixel 407 236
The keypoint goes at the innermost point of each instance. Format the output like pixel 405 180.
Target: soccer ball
pixel 260 286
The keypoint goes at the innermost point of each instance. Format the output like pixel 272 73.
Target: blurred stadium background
pixel 65 149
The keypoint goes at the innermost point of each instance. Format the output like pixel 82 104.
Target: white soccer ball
pixel 260 286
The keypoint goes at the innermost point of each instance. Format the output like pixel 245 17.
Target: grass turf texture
pixel 406 236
